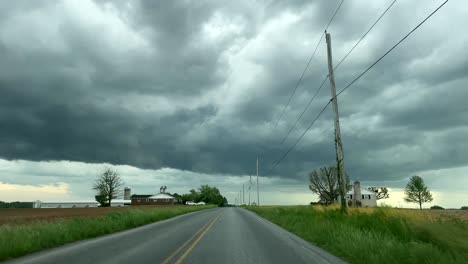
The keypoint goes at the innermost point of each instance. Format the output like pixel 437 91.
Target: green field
pixel 19 240
pixel 380 235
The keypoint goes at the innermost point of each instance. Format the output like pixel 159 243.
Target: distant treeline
pixel 16 205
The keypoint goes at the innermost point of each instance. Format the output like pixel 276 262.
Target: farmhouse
pixel 162 198
pixel 359 196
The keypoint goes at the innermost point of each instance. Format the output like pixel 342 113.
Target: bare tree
pixel 417 192
pixel 324 182
pixel 380 192
pixel 108 186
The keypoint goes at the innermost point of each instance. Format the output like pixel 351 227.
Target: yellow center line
pixel 196 241
pixel 188 241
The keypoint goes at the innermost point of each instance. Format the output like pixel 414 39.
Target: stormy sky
pixel 182 93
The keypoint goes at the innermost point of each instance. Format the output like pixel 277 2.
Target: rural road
pixel 221 235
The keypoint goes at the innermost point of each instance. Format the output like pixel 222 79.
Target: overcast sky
pixel 183 93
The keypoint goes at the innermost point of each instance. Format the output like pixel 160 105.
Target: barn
pixel 76 204
pixel 162 198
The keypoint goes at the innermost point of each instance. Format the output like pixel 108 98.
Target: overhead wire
pixel 307 66
pixel 305 109
pixel 365 34
pixel 349 85
pixel 336 67
pixel 391 49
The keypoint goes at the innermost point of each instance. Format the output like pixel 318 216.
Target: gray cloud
pixel 199 86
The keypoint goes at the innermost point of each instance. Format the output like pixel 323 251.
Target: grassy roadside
pixel 19 240
pixel 381 235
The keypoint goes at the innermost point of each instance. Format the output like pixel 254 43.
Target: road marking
pixel 188 241
pixel 196 241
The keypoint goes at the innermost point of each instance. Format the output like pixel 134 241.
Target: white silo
pixel 127 193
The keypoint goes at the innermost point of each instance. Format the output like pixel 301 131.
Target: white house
pixel 359 196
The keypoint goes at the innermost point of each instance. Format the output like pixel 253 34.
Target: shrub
pixel 436 207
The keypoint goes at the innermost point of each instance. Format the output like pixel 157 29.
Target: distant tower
pixel 127 193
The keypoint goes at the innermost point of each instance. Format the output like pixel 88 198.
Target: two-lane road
pixel 221 235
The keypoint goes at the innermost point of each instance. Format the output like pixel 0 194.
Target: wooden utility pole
pixel 258 188
pixel 250 185
pixel 338 144
pixel 243 194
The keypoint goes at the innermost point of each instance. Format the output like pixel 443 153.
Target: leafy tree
pixel 436 207
pixel 205 193
pixel 192 196
pixel 178 198
pixel 108 186
pixel 417 192
pixel 464 208
pixel 102 200
pixel 324 182
pixel 380 192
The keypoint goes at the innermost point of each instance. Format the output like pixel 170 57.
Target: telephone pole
pixel 258 188
pixel 250 185
pixel 243 194
pixel 338 143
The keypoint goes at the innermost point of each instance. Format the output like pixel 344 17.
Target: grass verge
pixel 381 235
pixel 19 240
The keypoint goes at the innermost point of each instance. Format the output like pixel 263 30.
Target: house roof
pixel 161 196
pixel 363 191
pixel 137 196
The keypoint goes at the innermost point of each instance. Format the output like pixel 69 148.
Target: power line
pixel 299 139
pixel 349 85
pixel 308 63
pixel 305 109
pixel 392 48
pixel 365 34
pixel 299 81
pixel 336 67
pixel 333 17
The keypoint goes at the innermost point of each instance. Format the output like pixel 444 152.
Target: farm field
pixel 28 215
pixel 380 235
pixel 23 231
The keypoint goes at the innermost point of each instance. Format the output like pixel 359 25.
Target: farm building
pixel 76 204
pixel 359 196
pixel 162 198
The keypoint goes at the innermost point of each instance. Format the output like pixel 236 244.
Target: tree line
pixel 109 186
pixel 16 204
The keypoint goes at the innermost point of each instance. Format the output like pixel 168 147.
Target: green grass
pixel 381 235
pixel 19 240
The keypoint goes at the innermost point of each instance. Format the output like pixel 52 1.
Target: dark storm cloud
pixel 199 86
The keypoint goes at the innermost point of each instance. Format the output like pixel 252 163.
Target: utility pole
pixel 338 143
pixel 243 194
pixel 250 185
pixel 258 187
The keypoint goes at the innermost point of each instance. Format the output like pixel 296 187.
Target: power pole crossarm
pixel 338 144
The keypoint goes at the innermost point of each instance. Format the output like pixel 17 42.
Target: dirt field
pixel 27 215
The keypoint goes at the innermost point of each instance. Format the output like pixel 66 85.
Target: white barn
pixel 76 204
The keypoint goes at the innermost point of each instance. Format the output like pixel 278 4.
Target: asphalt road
pixel 221 235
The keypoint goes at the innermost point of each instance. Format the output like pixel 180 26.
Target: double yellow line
pixel 203 230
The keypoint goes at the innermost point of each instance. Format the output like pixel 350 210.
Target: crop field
pixel 24 231
pixel 29 215
pixel 378 235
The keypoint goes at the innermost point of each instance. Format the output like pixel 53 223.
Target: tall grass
pixel 375 236
pixel 18 240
